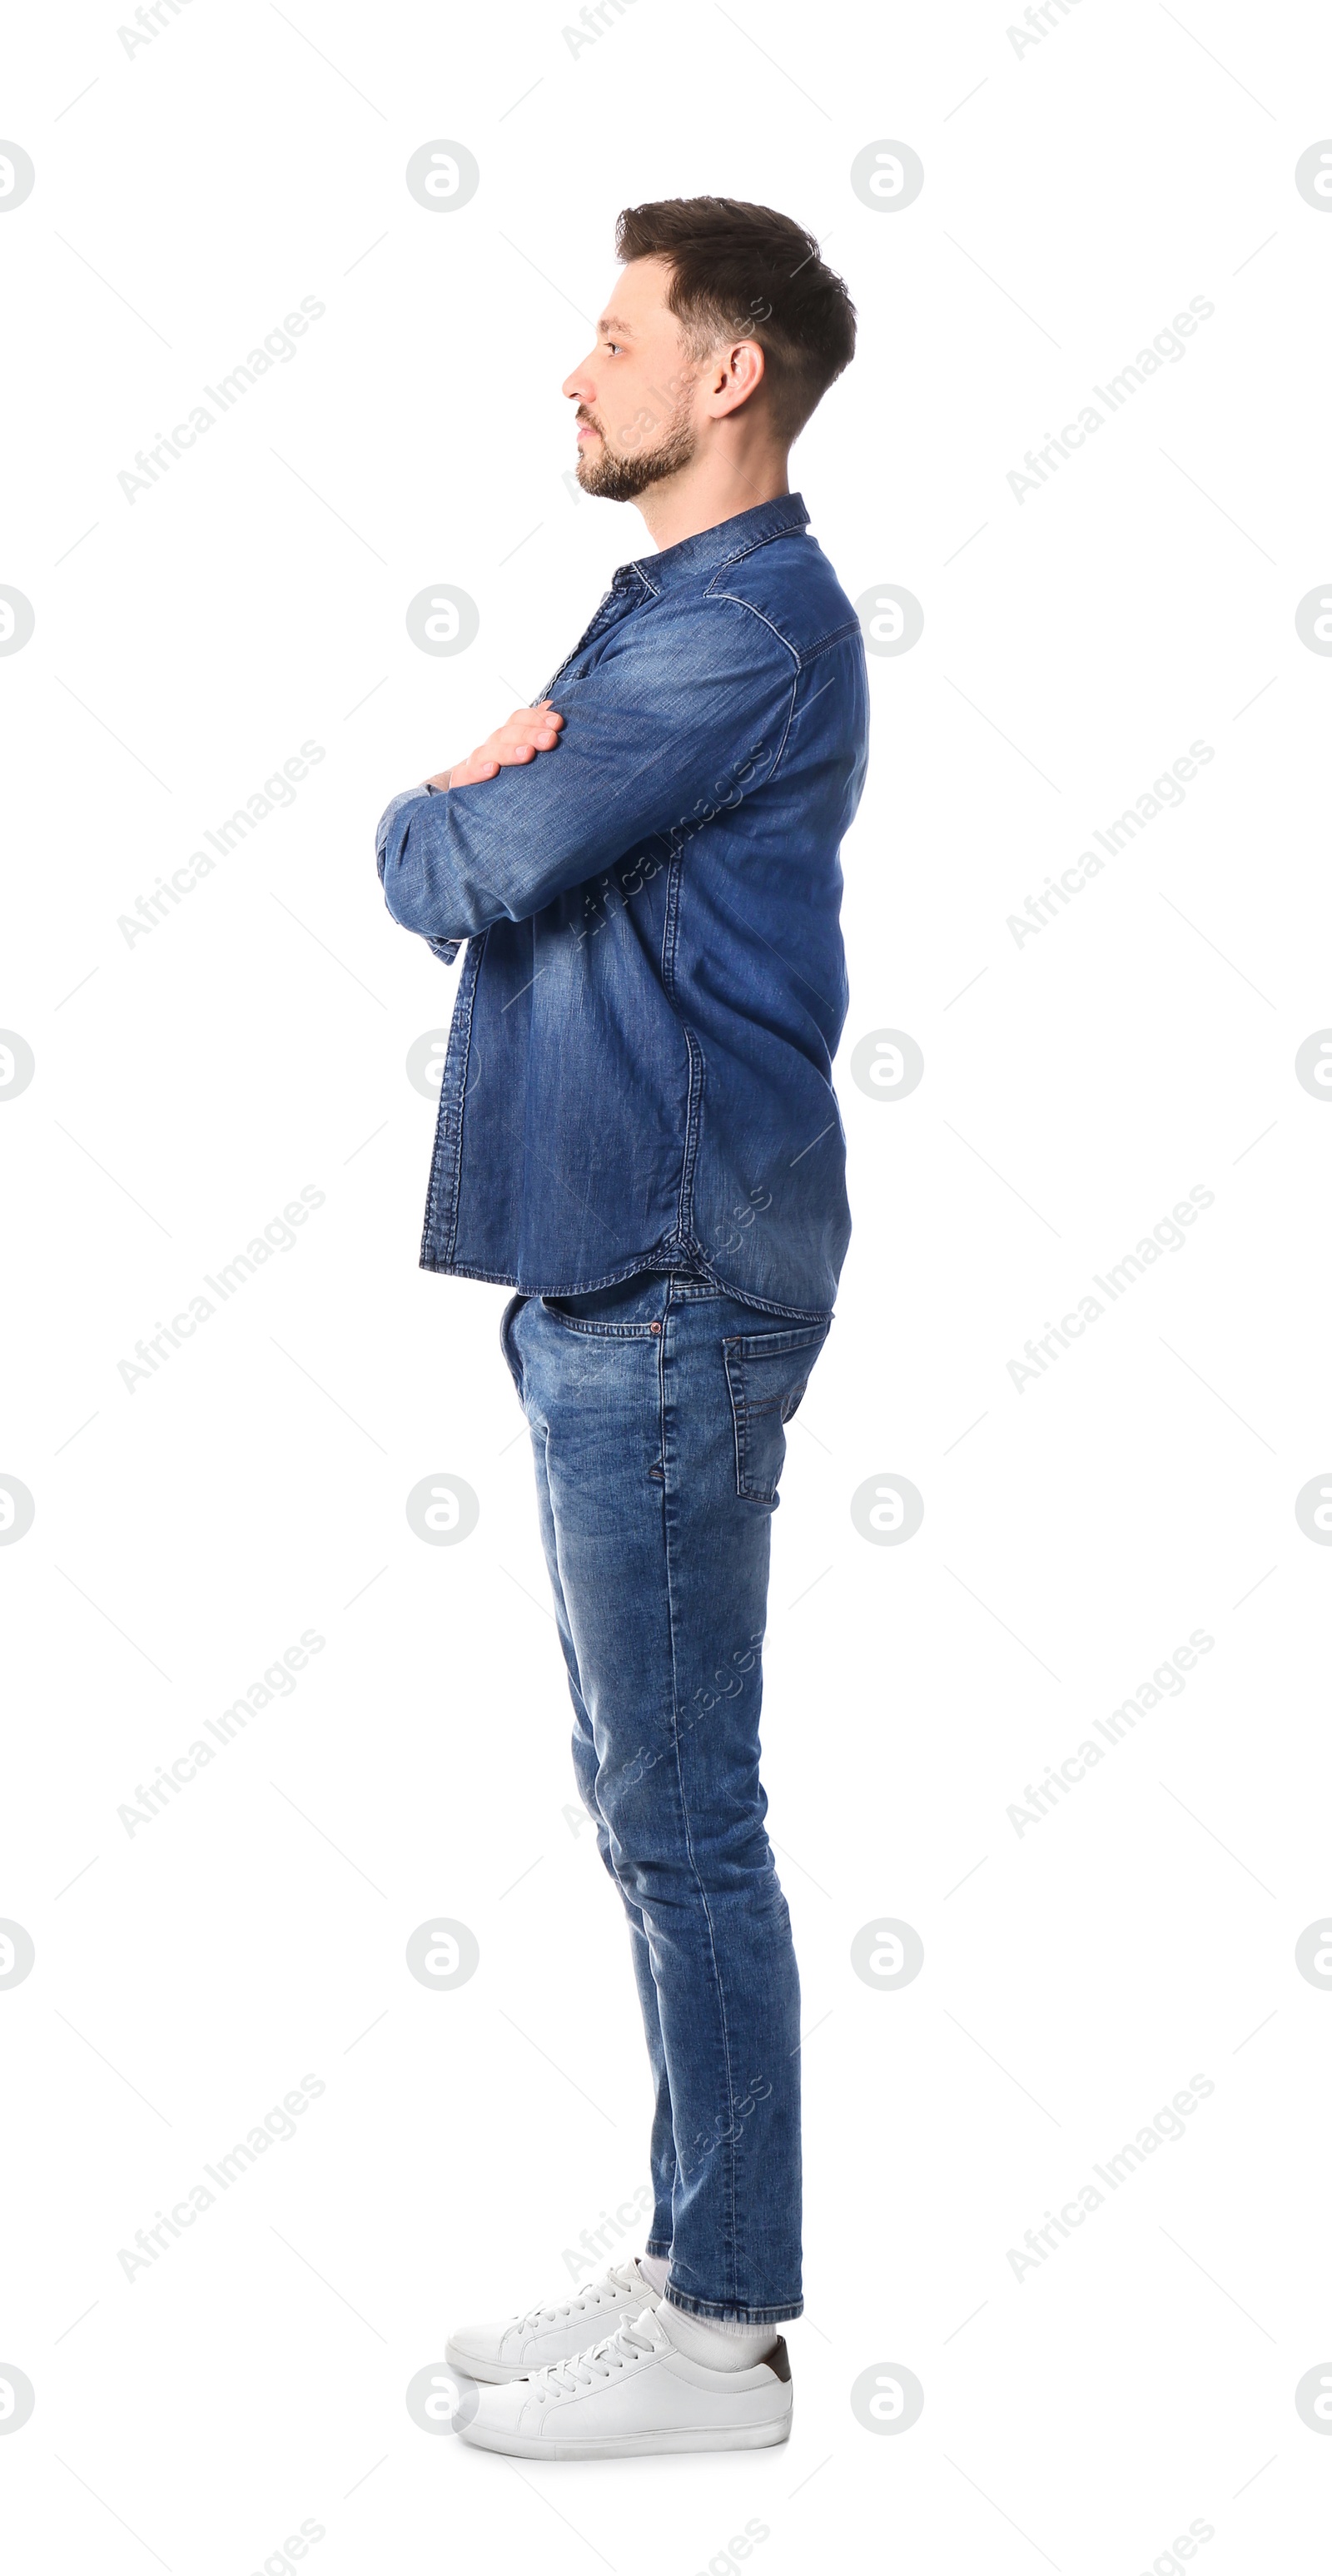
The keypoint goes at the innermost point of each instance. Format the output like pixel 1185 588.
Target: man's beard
pixel 622 478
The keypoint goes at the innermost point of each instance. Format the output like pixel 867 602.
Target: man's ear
pixel 740 371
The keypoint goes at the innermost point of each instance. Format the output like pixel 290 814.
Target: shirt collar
pixel 682 563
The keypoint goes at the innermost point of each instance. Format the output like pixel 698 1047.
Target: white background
pixel 1076 196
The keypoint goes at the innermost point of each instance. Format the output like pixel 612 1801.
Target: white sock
pixel 654 2268
pixel 722 2343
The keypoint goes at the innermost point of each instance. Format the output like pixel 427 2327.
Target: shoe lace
pixel 600 2361
pixel 618 2276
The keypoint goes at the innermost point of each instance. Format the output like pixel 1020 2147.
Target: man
pixel 638 1133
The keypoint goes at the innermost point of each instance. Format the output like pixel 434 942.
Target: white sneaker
pixel 516 2346
pixel 633 2393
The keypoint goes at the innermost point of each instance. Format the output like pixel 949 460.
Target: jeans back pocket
pixel 767 1374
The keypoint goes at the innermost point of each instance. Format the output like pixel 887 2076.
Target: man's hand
pixel 528 731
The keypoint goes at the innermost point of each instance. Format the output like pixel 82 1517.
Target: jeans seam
pixel 515 1367
pixel 599 1332
pixel 688 1833
pixel 739 1416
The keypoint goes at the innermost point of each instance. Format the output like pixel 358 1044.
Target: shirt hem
pixel 611 1279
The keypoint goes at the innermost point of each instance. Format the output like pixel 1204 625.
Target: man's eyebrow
pixel 611 322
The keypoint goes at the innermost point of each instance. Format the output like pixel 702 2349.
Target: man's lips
pixel 586 430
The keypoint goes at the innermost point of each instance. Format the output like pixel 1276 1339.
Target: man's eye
pixel 615 345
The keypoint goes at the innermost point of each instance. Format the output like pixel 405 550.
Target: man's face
pixel 635 390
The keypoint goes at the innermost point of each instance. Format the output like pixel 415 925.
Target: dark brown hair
pixel 741 271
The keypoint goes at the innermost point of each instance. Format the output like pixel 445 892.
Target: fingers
pixel 529 731
pixel 532 724
pixel 512 745
pixel 534 720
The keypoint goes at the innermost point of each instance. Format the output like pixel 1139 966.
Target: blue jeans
pixel 657 1412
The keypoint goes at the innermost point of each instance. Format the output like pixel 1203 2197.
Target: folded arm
pixel 678 718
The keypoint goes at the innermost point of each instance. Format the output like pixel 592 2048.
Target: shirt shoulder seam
pixel 732 599
pixel 835 635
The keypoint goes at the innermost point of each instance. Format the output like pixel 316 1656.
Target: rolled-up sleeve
pixel 682 714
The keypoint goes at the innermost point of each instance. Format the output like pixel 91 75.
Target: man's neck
pixel 683 505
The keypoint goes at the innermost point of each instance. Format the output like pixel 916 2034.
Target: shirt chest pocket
pixel 767 1374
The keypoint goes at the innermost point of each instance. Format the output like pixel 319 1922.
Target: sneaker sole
pixel 725 2437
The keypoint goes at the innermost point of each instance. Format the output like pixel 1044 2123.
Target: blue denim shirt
pixel 639 1069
